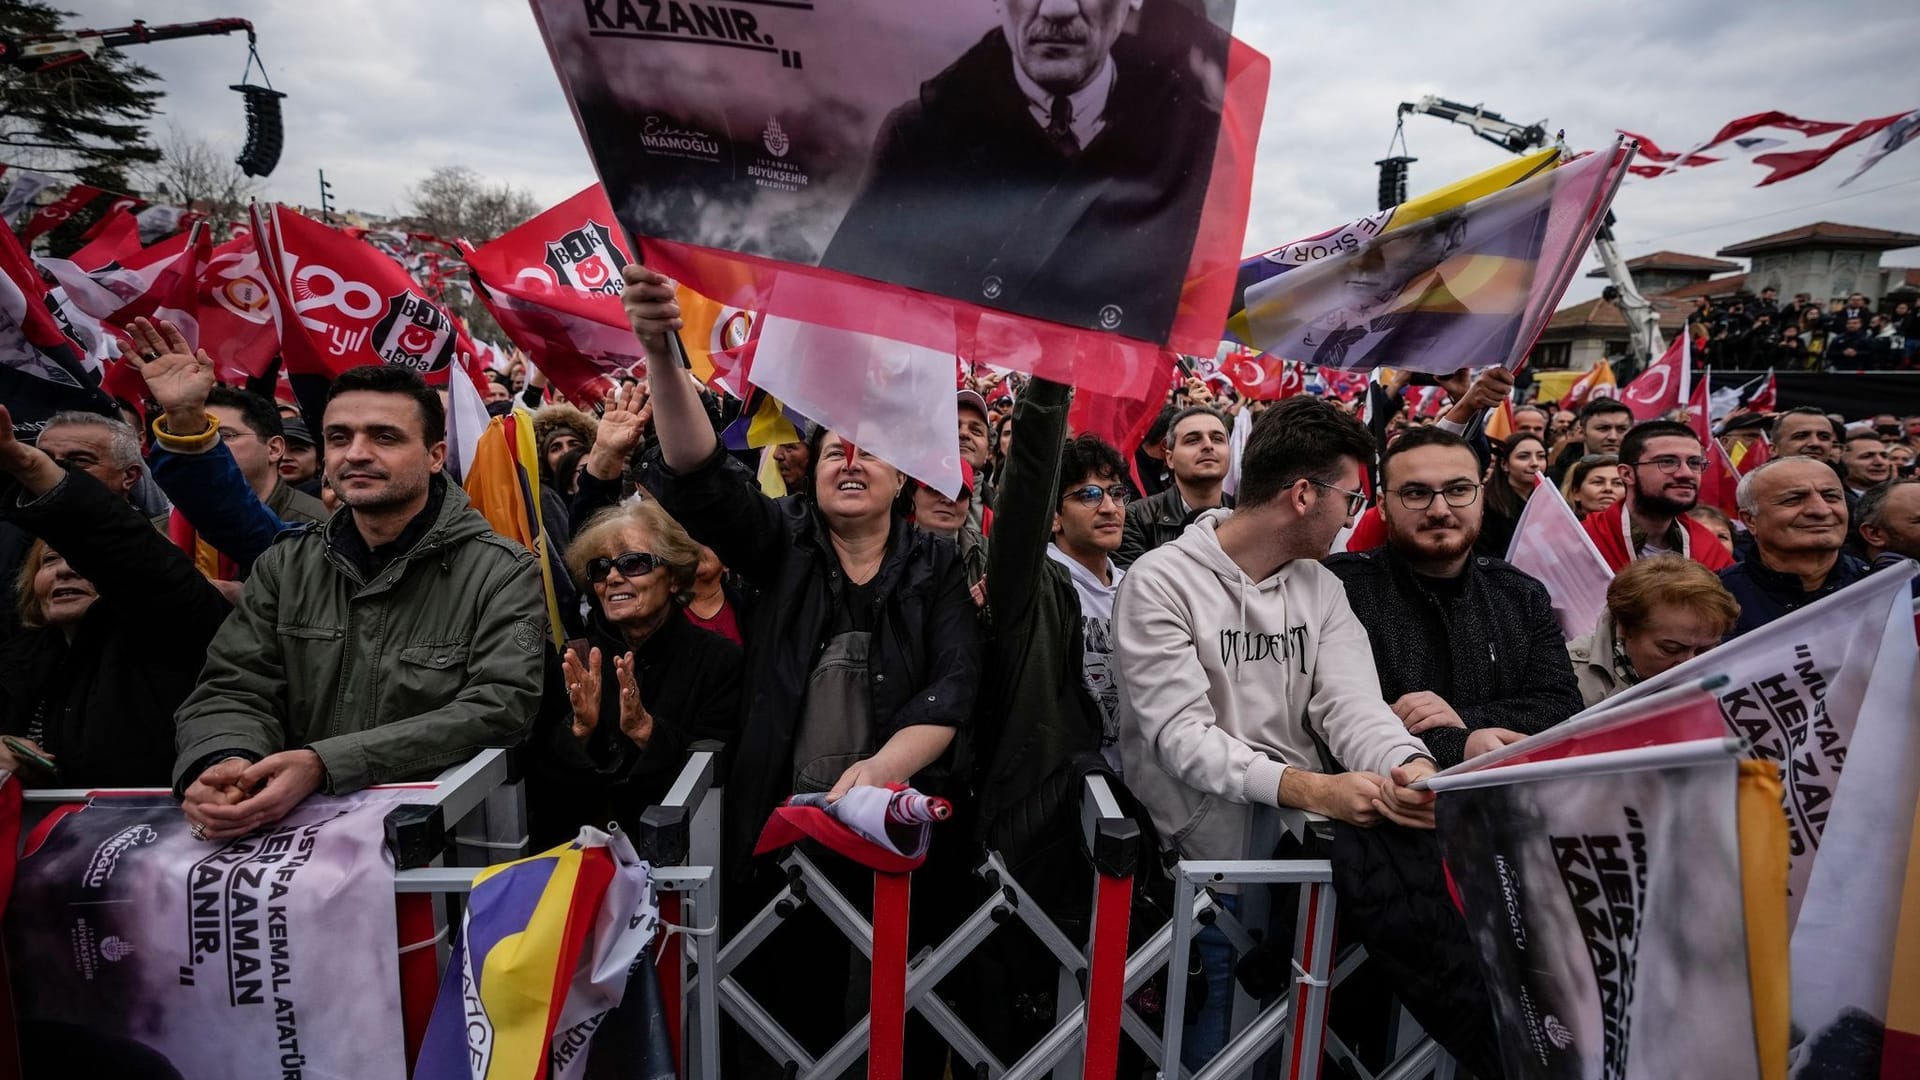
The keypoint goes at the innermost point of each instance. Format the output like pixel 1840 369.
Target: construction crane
pixel 265 134
pixel 1643 322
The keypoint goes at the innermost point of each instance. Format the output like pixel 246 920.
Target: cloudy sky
pixel 381 93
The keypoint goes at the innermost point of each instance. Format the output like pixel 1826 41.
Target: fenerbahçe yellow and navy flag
pixel 525 925
pixel 1464 276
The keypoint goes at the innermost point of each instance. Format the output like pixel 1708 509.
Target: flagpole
pixel 1638 759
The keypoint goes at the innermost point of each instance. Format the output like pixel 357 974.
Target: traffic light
pixel 1393 180
pixel 326 197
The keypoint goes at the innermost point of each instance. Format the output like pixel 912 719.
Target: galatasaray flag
pixel 525 927
pixel 1472 271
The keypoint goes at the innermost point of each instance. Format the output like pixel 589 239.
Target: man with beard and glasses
pixel 1198 454
pixel 393 641
pixel 1074 128
pixel 1470 656
pixel 1662 462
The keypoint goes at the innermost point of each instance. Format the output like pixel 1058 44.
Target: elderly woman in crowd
pixel 863 654
pixel 1593 484
pixel 644 683
pixel 1510 483
pixel 115 625
pixel 1661 612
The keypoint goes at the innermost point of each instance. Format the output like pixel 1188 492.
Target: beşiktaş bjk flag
pixel 553 284
pixel 344 304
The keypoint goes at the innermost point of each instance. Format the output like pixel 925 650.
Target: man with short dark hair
pixel 395 640
pixel 1662 462
pixel 1863 457
pixel 1802 431
pixel 1602 423
pixel 1796 510
pixel 1470 656
pixel 1198 455
pixel 300 465
pixel 251 430
pixel 1241 666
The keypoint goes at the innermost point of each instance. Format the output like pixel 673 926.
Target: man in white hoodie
pixel 1240 659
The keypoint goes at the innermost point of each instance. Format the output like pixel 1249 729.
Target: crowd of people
pixel 1848 333
pixel 1279 605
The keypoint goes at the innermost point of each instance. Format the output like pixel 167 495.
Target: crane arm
pixel 45 51
pixel 1491 126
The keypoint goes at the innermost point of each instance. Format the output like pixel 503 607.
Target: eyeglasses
pixel 631 564
pixel 1092 494
pixel 1356 500
pixel 1419 498
pixel 1670 463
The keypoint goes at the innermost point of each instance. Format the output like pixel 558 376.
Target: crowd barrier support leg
pixel 667 961
pixel 1112 840
pixel 1313 952
pixel 419 967
pixel 887 1005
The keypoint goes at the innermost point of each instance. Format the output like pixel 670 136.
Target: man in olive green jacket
pixel 395 640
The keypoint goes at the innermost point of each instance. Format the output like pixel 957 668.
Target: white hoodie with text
pixel 1221 680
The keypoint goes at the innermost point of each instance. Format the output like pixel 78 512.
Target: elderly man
pixel 1889 516
pixel 1796 510
pixel 1528 420
pixel 1075 141
pixel 394 641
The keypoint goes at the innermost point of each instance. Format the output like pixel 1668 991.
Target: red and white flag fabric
pixel 1744 137
pixel 1892 137
pixel 1767 398
pixel 43 369
pixel 1598 382
pixel 239 317
pixel 1262 376
pixel 21 193
pixel 1788 164
pixel 553 284
pixel 1550 544
pixel 1663 387
pixel 126 279
pixel 77 198
pixel 117 232
pixel 882 828
pixel 345 305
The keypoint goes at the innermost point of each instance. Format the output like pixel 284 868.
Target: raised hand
pixel 650 304
pixel 622 426
pixel 179 379
pixel 25 462
pixel 635 722
pixel 583 689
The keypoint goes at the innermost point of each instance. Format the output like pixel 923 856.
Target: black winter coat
pixel 1038 731
pixel 925 665
pixel 1496 654
pixel 1153 521
pixel 689 682
pixel 106 699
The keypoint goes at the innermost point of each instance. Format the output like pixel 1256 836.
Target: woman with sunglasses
pixel 863 654
pixel 640 687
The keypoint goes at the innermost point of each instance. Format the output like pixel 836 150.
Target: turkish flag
pixel 1661 388
pixel 1699 410
pixel 1767 399
pixel 344 305
pixel 47 217
pixel 1263 376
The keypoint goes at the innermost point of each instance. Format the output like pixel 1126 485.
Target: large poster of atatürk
pixel 1048 158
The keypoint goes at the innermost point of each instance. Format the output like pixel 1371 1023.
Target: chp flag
pixel 153 951
pixel 344 304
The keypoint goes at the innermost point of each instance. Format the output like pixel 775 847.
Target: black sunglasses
pixel 632 564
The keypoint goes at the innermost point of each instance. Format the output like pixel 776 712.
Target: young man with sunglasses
pixel 1469 656
pixel 1662 463
pixel 1245 679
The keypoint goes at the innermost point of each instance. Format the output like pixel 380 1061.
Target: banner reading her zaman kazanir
pixel 1046 160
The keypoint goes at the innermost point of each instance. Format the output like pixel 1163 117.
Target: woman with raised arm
pixel 863 652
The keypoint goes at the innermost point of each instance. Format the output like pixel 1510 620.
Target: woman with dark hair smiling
pixel 1513 476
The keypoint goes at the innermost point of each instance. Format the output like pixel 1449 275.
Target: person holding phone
pixel 116 622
